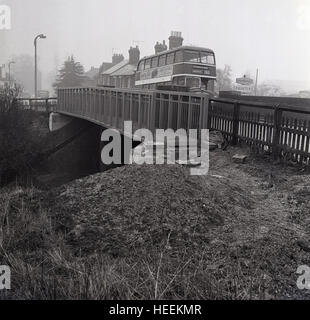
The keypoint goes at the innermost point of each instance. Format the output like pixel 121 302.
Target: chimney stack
pixel 134 55
pixel 117 58
pixel 175 40
pixel 160 47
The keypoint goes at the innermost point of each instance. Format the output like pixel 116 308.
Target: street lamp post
pixel 40 36
pixel 11 62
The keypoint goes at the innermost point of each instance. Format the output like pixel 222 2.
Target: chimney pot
pixel 175 40
pixel 134 55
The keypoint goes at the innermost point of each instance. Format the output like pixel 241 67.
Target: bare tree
pixel 224 81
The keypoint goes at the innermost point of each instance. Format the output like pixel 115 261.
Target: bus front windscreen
pixel 200 57
pixel 207 57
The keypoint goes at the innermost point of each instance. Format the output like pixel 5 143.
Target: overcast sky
pixel 272 35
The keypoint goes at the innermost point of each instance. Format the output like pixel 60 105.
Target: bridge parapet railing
pixel 146 109
pixel 38 104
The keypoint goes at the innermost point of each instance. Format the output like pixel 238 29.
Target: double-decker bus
pixel 192 68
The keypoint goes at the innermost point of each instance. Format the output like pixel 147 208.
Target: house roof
pixel 105 66
pixel 127 70
pixel 116 67
pixel 92 73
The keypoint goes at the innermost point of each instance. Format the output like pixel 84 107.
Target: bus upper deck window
pixel 179 56
pixel 147 64
pixel 154 62
pixel 191 56
pixel 141 65
pixel 207 57
pixel 162 60
pixel 170 58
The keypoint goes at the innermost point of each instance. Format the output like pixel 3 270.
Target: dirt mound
pixel 239 232
pixel 145 206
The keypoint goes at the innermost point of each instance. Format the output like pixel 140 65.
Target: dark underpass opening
pixel 75 156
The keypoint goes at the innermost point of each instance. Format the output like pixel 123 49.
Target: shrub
pixel 19 145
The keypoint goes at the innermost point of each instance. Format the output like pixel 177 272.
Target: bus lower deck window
pixel 193 82
pixel 179 81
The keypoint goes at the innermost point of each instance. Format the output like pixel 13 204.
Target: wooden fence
pixel 283 131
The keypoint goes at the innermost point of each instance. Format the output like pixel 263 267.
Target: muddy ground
pixel 156 232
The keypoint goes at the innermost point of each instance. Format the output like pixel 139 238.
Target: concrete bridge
pixel 109 108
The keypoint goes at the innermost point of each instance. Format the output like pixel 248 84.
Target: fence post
pixel 123 109
pixel 236 123
pixel 276 132
pixel 117 95
pixel 139 110
pixel 204 112
pixel 209 115
pixel 46 106
pixel 169 120
pixel 152 112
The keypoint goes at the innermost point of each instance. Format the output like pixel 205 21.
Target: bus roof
pixel 176 49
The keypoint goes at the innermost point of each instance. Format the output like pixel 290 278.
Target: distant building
pixel 116 59
pixel 244 85
pixel 92 73
pixel 122 74
pixel 91 77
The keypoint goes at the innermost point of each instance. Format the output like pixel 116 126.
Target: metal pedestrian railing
pixel 146 109
pixel 38 104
